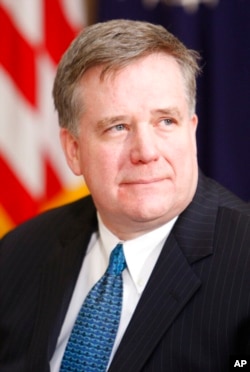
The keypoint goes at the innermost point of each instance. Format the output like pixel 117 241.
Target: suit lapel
pixel 170 287
pixel 172 283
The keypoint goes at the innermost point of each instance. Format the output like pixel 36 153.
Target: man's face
pixel 136 146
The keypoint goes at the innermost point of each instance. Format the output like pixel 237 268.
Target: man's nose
pixel 144 147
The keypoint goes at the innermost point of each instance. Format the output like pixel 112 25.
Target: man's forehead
pixel 111 70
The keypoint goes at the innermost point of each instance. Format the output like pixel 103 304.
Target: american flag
pixel 34 175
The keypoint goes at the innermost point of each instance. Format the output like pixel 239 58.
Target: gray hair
pixel 115 44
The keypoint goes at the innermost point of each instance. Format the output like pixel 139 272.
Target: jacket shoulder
pixel 50 225
pixel 213 192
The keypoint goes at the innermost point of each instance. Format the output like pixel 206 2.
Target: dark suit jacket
pixel 193 314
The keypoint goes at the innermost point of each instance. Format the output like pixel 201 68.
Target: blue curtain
pixel 221 33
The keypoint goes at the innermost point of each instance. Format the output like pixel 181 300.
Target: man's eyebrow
pixel 172 111
pixel 111 120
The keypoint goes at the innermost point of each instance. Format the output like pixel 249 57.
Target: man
pixel 125 94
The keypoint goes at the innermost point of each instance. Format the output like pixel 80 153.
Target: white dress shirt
pixel 141 255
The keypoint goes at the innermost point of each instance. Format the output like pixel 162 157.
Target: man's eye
pixel 167 121
pixel 116 128
pixel 119 127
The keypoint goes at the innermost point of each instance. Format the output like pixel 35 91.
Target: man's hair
pixel 114 45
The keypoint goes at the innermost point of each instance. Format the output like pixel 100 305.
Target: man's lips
pixel 142 181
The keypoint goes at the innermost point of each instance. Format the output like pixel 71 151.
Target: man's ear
pixel 194 121
pixel 70 145
pixel 194 125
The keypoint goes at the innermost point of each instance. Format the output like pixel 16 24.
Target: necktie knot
pixel 117 262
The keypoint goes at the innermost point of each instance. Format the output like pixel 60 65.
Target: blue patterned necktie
pixel 93 335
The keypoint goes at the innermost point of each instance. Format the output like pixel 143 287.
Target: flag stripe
pixel 53 184
pixel 56 41
pixel 17 56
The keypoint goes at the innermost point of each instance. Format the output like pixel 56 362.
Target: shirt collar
pixel 141 253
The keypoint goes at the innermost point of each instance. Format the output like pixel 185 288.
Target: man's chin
pixel 149 214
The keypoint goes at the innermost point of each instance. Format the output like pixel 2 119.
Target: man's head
pixel 114 45
pixel 125 93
